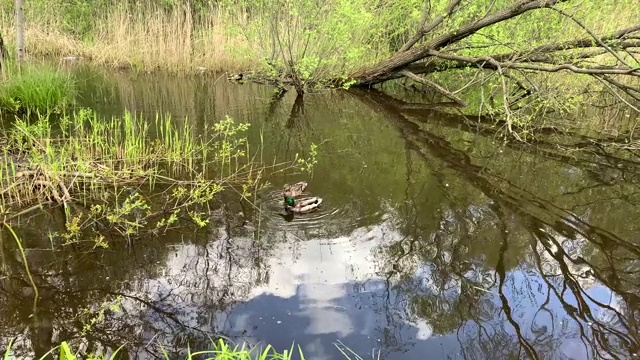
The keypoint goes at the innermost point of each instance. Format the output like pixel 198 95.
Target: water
pixel 434 241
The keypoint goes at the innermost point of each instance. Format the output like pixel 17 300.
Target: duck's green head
pixel 289 201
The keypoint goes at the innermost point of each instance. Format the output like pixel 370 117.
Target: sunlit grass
pixel 149 37
pixel 65 154
pixel 109 169
pixel 36 87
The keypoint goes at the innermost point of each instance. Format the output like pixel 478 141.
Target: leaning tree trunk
pixel 19 31
pixel 389 68
pixel 409 61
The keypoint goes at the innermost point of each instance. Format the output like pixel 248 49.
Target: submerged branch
pixel 448 94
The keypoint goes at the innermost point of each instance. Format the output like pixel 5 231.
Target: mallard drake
pixel 294 190
pixel 303 206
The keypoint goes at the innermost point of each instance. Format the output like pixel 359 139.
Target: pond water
pixel 435 240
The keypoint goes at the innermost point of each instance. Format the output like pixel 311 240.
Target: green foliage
pixel 104 163
pixel 313 40
pixel 65 353
pixel 230 148
pixel 308 164
pixel 220 350
pixel 36 88
pixel 90 318
pixel 77 16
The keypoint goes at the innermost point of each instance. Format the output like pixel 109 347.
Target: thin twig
pixel 482 61
pixel 426 28
pixel 593 35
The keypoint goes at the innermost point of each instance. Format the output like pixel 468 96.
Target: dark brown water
pixel 435 241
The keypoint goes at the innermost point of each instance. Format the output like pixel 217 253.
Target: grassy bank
pixel 146 37
pixel 36 88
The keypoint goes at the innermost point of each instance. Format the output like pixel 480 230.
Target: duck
pixel 294 190
pixel 302 206
pixel 235 77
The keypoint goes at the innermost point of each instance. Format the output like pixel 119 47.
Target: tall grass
pixel 64 154
pixel 144 36
pixel 36 88
pixel 238 36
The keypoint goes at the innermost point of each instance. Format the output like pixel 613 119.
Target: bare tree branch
pixel 437 65
pixel 488 62
pixel 593 35
pixel 588 42
pixel 625 42
pixel 444 61
pixel 618 95
pixel 519 8
pixel 400 60
pixel 435 86
pixel 629 90
pixel 541 54
pixel 427 28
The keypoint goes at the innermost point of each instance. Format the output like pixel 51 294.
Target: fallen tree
pixel 460 36
pixel 422 55
pixel 412 53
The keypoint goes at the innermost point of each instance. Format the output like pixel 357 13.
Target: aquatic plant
pixel 220 349
pixel 36 88
pixel 307 164
pixel 125 172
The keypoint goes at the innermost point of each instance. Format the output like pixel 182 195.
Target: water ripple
pixel 328 216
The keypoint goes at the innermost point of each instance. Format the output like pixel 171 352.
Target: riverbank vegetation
pixel 220 349
pixel 223 349
pixel 126 175
pixel 517 62
pixel 35 87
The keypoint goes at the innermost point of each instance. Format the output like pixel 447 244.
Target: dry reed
pixel 146 39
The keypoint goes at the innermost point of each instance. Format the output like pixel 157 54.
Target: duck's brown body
pixel 294 190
